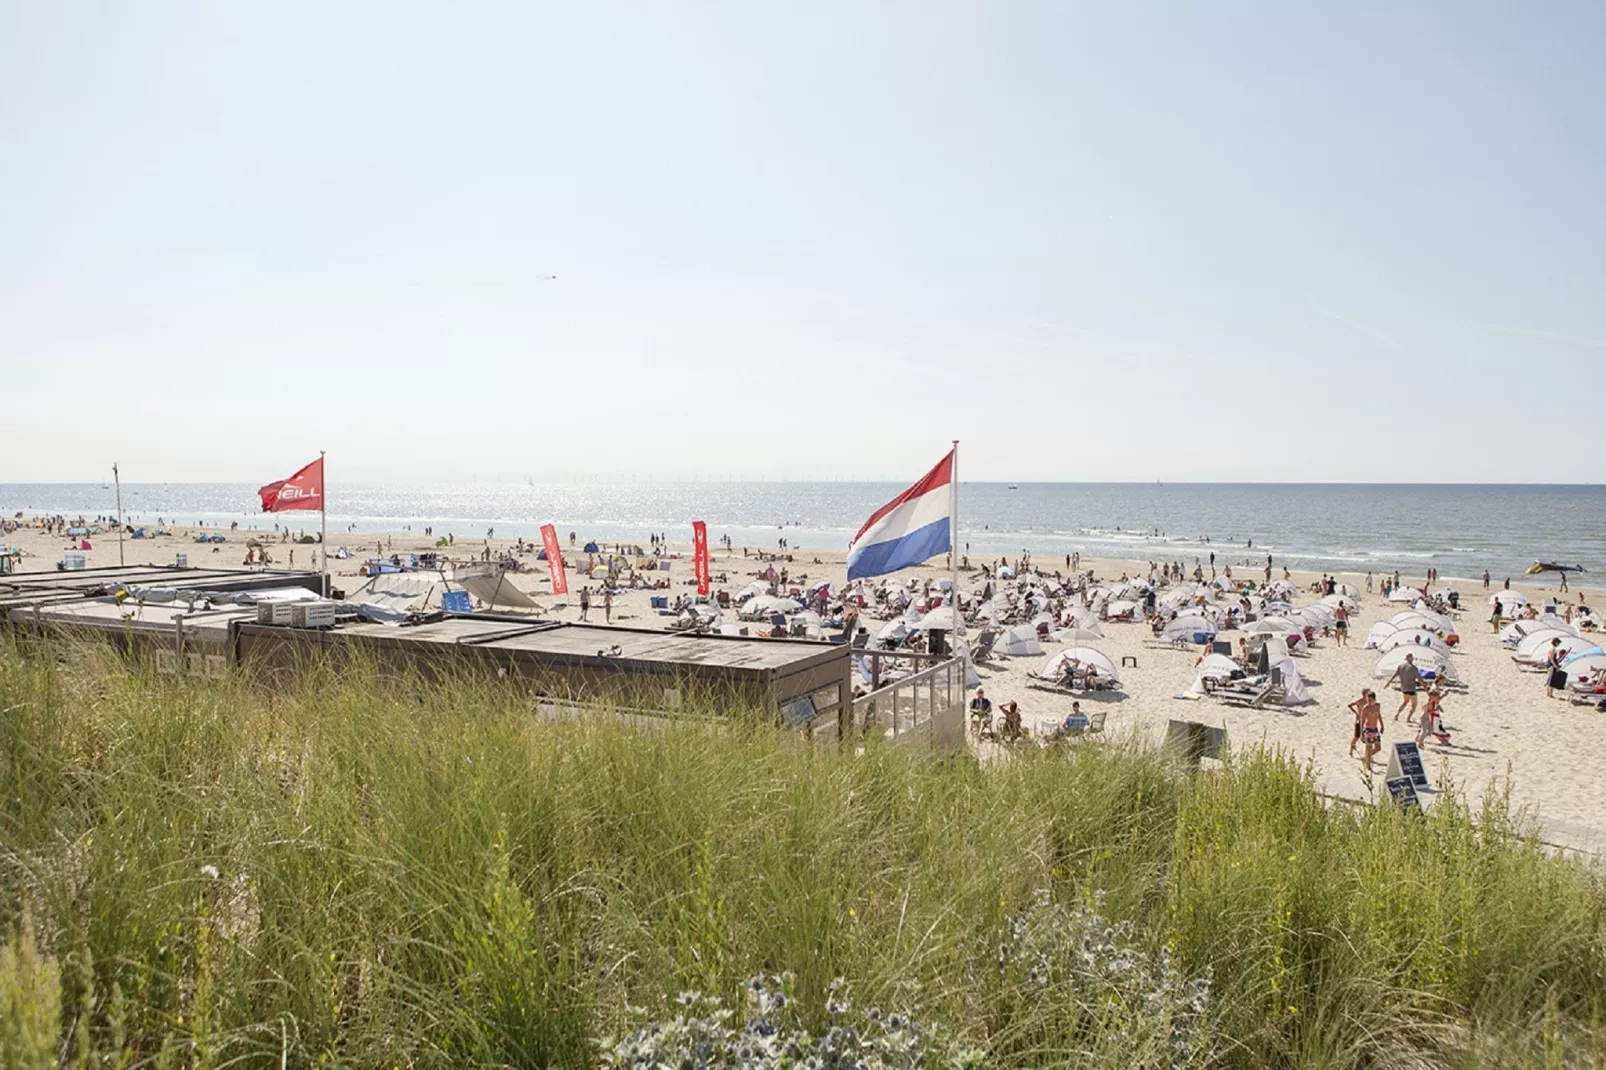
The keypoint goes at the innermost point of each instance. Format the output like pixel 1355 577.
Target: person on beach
pixel 1431 725
pixel 585 602
pixel 1341 624
pixel 1497 616
pixel 607 605
pixel 1485 579
pixel 1358 708
pixel 1371 715
pixel 1555 675
pixel 1409 677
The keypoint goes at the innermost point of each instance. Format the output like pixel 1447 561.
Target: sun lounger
pixel 983 650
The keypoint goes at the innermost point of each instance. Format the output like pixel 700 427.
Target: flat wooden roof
pixel 584 642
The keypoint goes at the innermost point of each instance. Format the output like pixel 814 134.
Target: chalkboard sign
pixel 1193 741
pixel 1403 792
pixel 1406 761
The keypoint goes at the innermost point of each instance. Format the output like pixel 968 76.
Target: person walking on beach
pixel 1555 675
pixel 1409 677
pixel 1431 723
pixel 585 602
pixel 1371 715
pixel 607 605
pixel 1341 624
pixel 1358 708
pixel 1485 579
pixel 1496 617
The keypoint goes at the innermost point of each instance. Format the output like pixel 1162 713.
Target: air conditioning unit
pixel 273 612
pixel 312 614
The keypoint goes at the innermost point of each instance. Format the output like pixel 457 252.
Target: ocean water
pixel 1459 529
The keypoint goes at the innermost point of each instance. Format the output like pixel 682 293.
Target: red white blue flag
pixel 910 529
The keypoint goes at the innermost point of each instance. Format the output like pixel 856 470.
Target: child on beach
pixel 1431 725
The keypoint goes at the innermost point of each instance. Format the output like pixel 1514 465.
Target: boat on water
pixel 1012 487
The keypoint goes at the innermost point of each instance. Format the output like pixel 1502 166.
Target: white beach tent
pixel 1077 636
pixel 1416 618
pixel 1508 600
pixel 1403 594
pixel 1581 665
pixel 1345 600
pixel 1080 617
pixel 1426 660
pixel 1295 693
pixel 1517 630
pixel 1019 642
pixel 1536 648
pixel 1417 637
pixel 1186 627
pixel 1271 626
pixel 1217 667
pixel 893 630
pixel 1121 608
pixel 942 618
pixel 1054 667
pixel 765 604
pixel 1380 631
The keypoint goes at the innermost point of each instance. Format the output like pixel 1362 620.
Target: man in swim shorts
pixel 1410 677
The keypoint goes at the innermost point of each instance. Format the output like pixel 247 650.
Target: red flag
pixel 304 490
pixel 554 559
pixel 699 544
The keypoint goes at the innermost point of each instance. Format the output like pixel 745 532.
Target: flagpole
pixel 953 560
pixel 118 479
pixel 323 521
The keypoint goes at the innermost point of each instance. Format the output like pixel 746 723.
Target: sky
pixel 1124 241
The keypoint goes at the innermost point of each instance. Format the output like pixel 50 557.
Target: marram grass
pixel 372 872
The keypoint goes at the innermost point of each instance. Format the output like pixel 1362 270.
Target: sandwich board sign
pixel 1193 741
pixel 1403 792
pixel 1406 761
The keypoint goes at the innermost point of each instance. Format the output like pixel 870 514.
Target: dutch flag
pixel 908 530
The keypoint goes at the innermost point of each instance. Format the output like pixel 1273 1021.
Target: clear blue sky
pixel 1184 241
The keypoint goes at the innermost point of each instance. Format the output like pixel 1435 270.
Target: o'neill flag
pixel 304 490
pixel 908 530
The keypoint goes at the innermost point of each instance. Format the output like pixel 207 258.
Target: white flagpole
pixel 118 479
pixel 323 519
pixel 953 561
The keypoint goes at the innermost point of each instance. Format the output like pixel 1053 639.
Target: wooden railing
pixel 925 709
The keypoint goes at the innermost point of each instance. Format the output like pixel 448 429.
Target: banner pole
pixel 118 479
pixel 323 516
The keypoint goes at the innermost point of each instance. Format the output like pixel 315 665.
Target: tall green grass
pixel 367 871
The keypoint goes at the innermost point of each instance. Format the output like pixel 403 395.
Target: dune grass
pixel 364 871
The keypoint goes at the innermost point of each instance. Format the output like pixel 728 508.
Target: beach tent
pixel 1380 631
pixel 1536 648
pixel 1270 626
pixel 1403 594
pixel 892 631
pixel 1077 636
pixel 1188 626
pixel 1295 693
pixel 811 624
pixel 752 590
pixel 1054 667
pixel 1580 665
pixel 1121 608
pixel 492 585
pixel 1508 600
pixel 1415 618
pixel 1348 590
pixel 1513 633
pixel 1553 620
pixel 1019 642
pixel 1427 660
pixel 766 605
pixel 942 618
pixel 1347 601
pixel 1417 637
pixel 1282 587
pixel 1005 572
pixel 592 548
pixel 390 598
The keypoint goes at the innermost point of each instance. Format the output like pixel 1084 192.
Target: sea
pixel 1460 529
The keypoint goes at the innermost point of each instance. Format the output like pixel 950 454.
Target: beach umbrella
pixel 1054 667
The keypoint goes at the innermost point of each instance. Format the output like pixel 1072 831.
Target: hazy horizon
pixel 1232 242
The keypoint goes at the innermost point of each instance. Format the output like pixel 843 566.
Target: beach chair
pixel 983 650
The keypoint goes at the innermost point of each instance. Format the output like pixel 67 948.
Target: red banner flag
pixel 554 559
pixel 304 490
pixel 699 545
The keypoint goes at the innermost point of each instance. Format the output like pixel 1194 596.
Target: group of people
pixel 1368 712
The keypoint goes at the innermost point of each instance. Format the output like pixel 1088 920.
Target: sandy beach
pixel 1505 732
